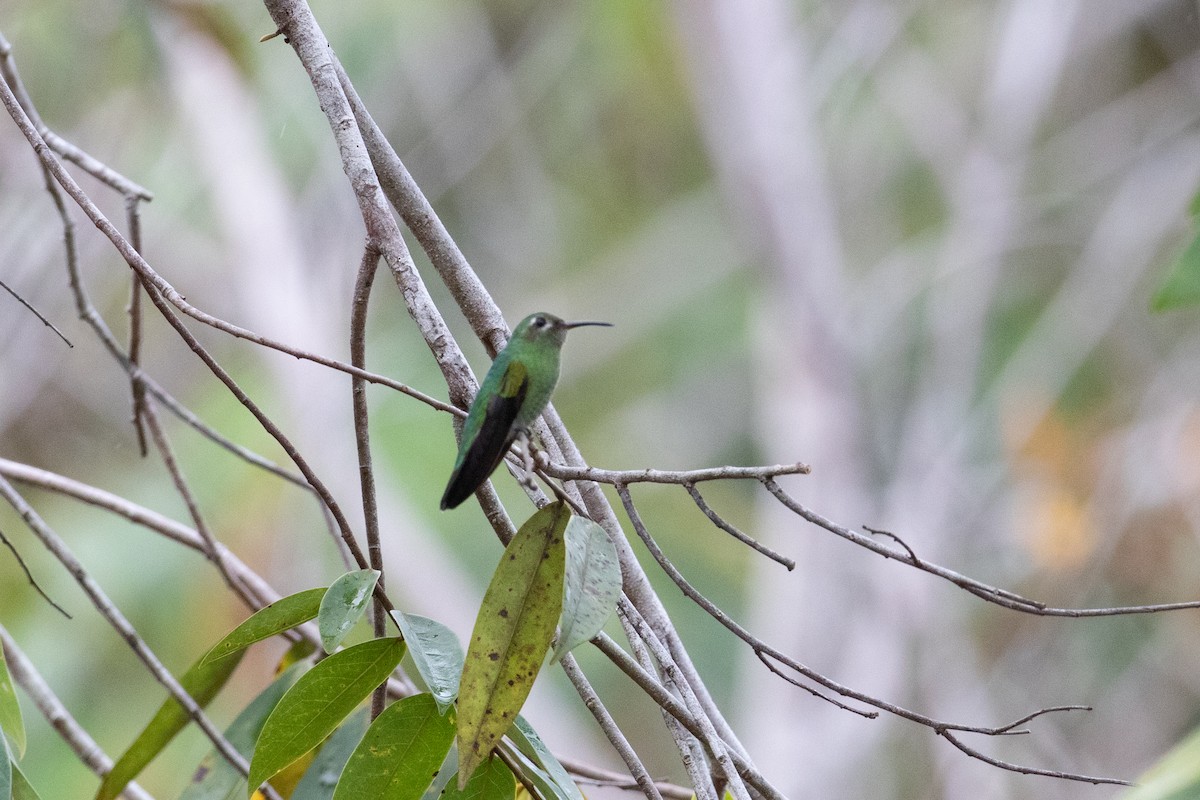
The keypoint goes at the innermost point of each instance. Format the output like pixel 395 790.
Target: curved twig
pixel 765 651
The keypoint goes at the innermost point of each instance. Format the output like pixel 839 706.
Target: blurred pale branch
pixel 74 734
pixel 803 237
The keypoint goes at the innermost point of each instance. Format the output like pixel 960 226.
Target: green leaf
pixel 437 654
pixel 10 710
pixel 544 786
pixel 512 634
pixel 6 771
pixel 202 681
pixel 530 745
pixel 282 615
pixel 216 778
pixel 400 754
pixel 22 789
pixel 318 703
pixel 593 585
pixel 1182 285
pixel 343 605
pixel 1176 776
pixel 322 776
pixel 491 781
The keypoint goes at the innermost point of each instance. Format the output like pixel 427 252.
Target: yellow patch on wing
pixel 514 378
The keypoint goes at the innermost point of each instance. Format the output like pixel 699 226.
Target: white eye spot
pixel 539 322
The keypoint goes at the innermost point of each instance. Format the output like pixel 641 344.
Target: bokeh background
pixel 912 244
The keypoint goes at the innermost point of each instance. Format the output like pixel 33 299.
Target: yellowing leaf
pixel 511 636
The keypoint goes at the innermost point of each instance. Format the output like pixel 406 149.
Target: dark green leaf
pixel 282 615
pixel 216 778
pixel 343 605
pixel 592 587
pixel 491 781
pixel 400 754
pixel 532 747
pixel 511 636
pixel 319 702
pixel 202 682
pixel 322 776
pixel 22 789
pixel 10 709
pixel 437 654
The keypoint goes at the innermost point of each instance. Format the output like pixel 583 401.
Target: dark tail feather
pixel 471 474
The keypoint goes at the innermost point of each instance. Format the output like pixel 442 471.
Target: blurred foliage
pixel 566 148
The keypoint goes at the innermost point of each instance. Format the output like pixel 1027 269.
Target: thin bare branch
pixel 992 594
pixel 1024 770
pixel 36 313
pixel 664 699
pixel 260 590
pixel 595 776
pixel 362 441
pixel 691 750
pixel 211 547
pixel 90 755
pixel 744 538
pixel 136 387
pixel 764 651
pixel 29 576
pixel 611 731
pixel 100 171
pixel 674 680
pixel 121 625
pixel 679 477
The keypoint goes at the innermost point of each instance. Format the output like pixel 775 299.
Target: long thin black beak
pixel 569 325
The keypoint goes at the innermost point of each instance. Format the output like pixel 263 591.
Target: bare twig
pixel 712 742
pixel 691 750
pixel 137 388
pixel 211 548
pixel 177 532
pixel 1000 597
pixel 117 620
pixel 100 171
pixel 36 313
pixel 592 700
pixel 586 773
pixel 1024 770
pixel 362 441
pixel 744 538
pixel 89 314
pixel 78 739
pixel 765 651
pixel 29 576
pixel 664 699
pixel 679 477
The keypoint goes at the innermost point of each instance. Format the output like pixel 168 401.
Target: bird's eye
pixel 539 322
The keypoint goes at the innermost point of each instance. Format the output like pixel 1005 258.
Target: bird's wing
pixel 496 433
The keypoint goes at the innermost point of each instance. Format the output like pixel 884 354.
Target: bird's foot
pixel 529 459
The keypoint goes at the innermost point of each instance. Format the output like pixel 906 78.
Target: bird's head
pixel 543 327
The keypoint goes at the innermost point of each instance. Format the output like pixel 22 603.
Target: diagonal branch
pixel 765 652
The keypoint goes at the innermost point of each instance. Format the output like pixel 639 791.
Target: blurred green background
pixel 911 244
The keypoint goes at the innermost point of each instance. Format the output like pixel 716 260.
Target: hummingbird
pixel 512 395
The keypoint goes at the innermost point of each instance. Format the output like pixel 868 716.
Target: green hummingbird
pixel 512 395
